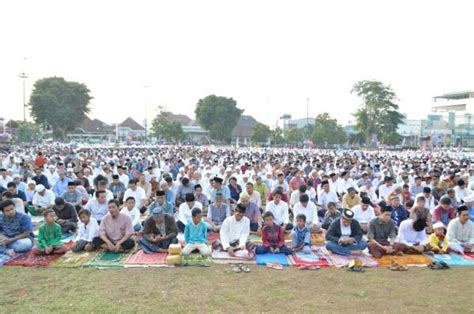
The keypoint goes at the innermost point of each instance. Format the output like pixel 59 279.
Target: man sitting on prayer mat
pixel 412 236
pixel 15 230
pixel 461 232
pixel 382 234
pixel 344 236
pixel 66 215
pixel 217 213
pixel 115 230
pixel 159 231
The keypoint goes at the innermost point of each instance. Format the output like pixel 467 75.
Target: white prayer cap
pixel 40 188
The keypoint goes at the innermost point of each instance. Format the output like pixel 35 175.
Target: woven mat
pixel 407 260
pixel 31 260
pixel 239 255
pixel 107 260
pixel 73 260
pixel 294 261
pixel 453 259
pixel 343 261
pixel 196 260
pixel 142 259
pixel 268 258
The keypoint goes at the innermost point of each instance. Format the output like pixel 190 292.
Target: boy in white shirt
pixel 131 211
pixel 88 230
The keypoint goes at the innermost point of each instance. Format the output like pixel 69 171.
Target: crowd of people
pixel 111 198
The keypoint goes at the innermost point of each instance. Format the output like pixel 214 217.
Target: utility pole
pixel 24 76
pixel 307 118
pixel 146 109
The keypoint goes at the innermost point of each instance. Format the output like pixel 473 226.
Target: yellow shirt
pixel 437 244
pixel 348 202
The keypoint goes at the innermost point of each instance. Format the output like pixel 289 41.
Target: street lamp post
pixel 24 76
pixel 307 118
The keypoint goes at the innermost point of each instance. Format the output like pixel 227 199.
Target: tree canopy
pixel 25 132
pixel 377 118
pixel 60 104
pixel 293 136
pixel 260 133
pixel 327 131
pixel 162 127
pixel 219 115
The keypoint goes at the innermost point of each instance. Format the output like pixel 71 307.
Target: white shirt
pixel 232 230
pixel 134 214
pixel 407 235
pixel 44 201
pixel 370 193
pixel 461 193
pixel 429 202
pixel 5 181
pixel 280 212
pixel 324 198
pixel 97 210
pixel 124 179
pixel 255 198
pixel 343 185
pixel 295 197
pixel 363 216
pixel 345 230
pixel 309 211
pixel 139 195
pixel 385 190
pixel 459 233
pixel 89 231
pixel 184 212
pixel 52 178
pixel 108 195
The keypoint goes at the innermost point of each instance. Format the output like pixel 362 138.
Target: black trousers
pixel 127 245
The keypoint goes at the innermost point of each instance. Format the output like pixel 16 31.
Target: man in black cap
pixel 344 236
pixel 161 201
pixel 218 187
pixel 66 215
pixel 117 187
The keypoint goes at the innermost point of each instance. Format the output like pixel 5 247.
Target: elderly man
pixel 115 230
pixel 159 232
pixel 161 201
pixel 382 234
pixel 252 212
pixel 217 213
pixel 43 199
pixel 66 215
pixel 15 230
pixel 461 232
pixel 61 184
pixel 344 236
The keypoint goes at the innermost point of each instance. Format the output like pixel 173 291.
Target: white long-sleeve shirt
pixel 407 235
pixel 309 211
pixel 280 212
pixel 232 230
pixel 89 231
pixel 134 214
pixel 384 191
pixel 460 233
pixel 363 216
pixel 44 201
pixel 324 198
pixel 184 212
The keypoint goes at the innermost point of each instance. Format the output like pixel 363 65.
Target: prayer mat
pixel 469 255
pixel 107 260
pixel 343 261
pixel 239 255
pixel 4 258
pixel 73 260
pixel 212 236
pixel 31 260
pixel 255 239
pixel 407 260
pixel 142 259
pixel 294 261
pixel 452 259
pixel 306 257
pixel 268 258
pixel 196 260
pixel 66 237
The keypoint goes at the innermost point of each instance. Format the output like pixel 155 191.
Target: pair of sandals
pixel 276 266
pixel 438 266
pixel 309 267
pixel 238 268
pixel 397 267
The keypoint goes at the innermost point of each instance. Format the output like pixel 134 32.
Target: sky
pixel 270 56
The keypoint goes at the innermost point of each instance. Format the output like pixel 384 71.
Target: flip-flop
pixel 244 268
pixel 397 267
pixel 356 269
pixel 275 266
pixel 235 268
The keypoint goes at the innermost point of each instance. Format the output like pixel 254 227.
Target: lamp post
pixel 24 76
pixel 146 109
pixel 307 118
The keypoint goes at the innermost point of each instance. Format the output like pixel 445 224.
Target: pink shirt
pixel 116 228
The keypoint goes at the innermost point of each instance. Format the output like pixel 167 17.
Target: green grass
pixel 218 289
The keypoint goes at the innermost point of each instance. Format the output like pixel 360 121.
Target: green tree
pixel 276 136
pixel 219 115
pixel 25 132
pixel 260 133
pixel 293 136
pixel 378 115
pixel 327 131
pixel 162 127
pixel 60 104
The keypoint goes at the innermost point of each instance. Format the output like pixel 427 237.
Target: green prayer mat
pixel 73 260
pixel 107 260
pixel 196 260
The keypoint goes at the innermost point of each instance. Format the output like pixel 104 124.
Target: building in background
pixel 411 131
pixel 130 129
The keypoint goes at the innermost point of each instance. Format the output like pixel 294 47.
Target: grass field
pixel 218 289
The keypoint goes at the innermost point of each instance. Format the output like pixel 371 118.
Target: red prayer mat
pixel 31 260
pixel 142 259
pixel 294 261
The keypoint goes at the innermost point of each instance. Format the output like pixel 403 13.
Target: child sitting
pixel 195 234
pixel 273 237
pixel 49 236
pixel 438 241
pixel 134 213
pixel 88 230
pixel 301 236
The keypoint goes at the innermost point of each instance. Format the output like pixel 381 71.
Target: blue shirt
pixel 224 190
pixel 16 225
pixel 170 197
pixel 302 236
pixel 399 214
pixel 167 208
pixel 61 186
pixel 195 234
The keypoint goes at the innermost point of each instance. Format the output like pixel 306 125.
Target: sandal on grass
pixel 244 268
pixel 309 267
pixel 397 267
pixel 356 269
pixel 438 266
pixel 275 266
pixel 235 268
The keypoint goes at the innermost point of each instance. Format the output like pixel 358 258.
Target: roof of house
pixel 182 118
pixel 244 126
pixel 94 125
pixel 132 124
